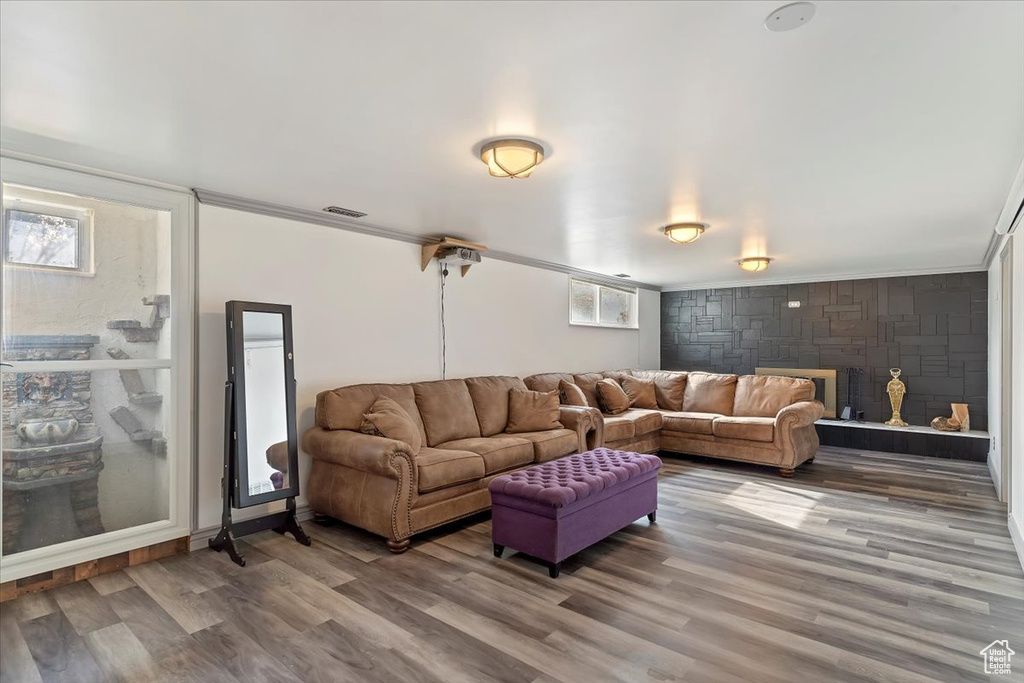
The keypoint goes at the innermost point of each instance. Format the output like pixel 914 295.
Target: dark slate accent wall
pixel 933 327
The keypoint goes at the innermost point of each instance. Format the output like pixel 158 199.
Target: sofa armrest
pixel 364 452
pixel 800 414
pixel 586 422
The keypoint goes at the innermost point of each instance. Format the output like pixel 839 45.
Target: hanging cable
pixel 444 341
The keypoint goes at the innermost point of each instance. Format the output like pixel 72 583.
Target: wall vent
pixel 344 212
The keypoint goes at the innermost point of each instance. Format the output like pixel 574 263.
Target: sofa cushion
pixel 617 428
pixel 343 408
pixel 532 411
pixel 388 419
pixel 571 395
pixel 617 375
pixel 588 383
pixel 611 397
pixel 546 381
pixel 668 387
pixel 748 428
pixel 490 400
pixel 499 452
pixel 447 410
pixel 439 468
pixel 693 423
pixel 552 443
pixel 641 392
pixel 708 393
pixel 645 421
pixel 766 395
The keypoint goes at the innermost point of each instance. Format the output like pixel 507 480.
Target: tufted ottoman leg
pixel 498 549
pixel 553 569
pixel 652 517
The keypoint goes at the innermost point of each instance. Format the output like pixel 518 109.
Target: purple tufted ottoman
pixel 558 508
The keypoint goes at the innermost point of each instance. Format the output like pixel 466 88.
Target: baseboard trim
pixel 201 537
pixel 1017 536
pixel 995 475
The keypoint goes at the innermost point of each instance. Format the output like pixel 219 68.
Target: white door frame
pixel 179 416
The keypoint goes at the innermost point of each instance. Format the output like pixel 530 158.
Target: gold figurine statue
pixel 896 390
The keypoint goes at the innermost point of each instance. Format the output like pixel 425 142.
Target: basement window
pixel 46 236
pixel 598 305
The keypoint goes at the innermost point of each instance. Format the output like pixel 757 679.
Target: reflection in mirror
pixel 265 402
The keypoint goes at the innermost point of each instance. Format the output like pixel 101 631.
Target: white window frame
pixel 634 322
pixel 178 417
pixel 85 218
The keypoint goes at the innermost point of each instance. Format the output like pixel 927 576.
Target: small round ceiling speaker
pixel 791 16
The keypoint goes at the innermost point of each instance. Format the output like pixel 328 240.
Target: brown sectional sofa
pixel 382 486
pixel 753 418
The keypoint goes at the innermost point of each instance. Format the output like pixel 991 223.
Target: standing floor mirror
pixel 261 448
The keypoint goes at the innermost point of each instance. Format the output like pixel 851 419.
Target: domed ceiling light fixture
pixel 511 157
pixel 684 233
pixel 755 264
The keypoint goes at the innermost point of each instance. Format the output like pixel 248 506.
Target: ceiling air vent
pixel 344 212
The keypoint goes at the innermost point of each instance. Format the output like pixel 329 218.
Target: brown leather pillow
pixel 640 392
pixel 612 398
pixel 532 411
pixel 571 395
pixel 390 420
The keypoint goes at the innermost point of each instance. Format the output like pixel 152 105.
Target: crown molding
pixel 227 201
pixel 782 280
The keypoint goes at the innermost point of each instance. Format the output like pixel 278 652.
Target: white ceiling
pixel 881 137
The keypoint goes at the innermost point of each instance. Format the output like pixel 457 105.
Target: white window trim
pixel 179 417
pixel 634 324
pixel 86 226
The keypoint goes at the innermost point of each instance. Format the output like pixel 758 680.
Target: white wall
pixel 998 377
pixel 362 311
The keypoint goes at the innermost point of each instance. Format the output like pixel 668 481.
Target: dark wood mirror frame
pixel 235 481
pixel 236 311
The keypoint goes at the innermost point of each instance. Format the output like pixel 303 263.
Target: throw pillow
pixel 388 419
pixel 532 411
pixel 571 395
pixel 640 392
pixel 612 398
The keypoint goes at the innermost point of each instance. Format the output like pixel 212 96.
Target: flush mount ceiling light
pixel 755 264
pixel 684 233
pixel 511 157
pixel 789 17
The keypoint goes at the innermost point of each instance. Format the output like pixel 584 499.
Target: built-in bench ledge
pixel 974 433
pixel 912 439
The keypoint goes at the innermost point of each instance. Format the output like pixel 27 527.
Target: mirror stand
pixel 282 522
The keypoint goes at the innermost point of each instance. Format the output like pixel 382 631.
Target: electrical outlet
pixel 794 304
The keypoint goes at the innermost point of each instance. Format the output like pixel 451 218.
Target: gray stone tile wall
pixel 933 327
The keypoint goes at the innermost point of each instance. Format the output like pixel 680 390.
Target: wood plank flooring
pixel 863 567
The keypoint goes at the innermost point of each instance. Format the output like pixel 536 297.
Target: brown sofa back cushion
pixel 388 419
pixel 766 395
pixel 447 410
pixel 588 383
pixel 547 381
pixel 709 393
pixel 641 392
pixel 490 400
pixel 532 411
pixel 613 400
pixel 668 387
pixel 571 395
pixel 343 408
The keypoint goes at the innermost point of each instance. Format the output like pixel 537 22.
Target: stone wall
pixel 933 327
